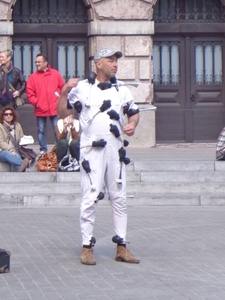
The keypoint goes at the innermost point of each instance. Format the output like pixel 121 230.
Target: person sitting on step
pixel 67 131
pixel 220 146
pixel 10 134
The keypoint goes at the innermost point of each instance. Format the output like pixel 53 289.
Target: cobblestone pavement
pixel 181 251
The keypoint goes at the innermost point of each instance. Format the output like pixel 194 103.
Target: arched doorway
pixel 56 28
pixel 189 70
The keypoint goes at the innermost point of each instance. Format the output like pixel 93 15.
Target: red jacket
pixel 41 88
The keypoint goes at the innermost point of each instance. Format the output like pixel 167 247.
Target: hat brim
pixel 118 54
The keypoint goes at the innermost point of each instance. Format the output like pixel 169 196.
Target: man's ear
pixel 98 64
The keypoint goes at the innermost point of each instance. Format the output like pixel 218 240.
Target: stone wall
pixel 127 26
pixel 6 25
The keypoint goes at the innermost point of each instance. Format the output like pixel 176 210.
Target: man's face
pixel 4 59
pixel 108 66
pixel 41 64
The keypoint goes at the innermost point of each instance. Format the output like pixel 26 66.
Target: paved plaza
pixel 181 249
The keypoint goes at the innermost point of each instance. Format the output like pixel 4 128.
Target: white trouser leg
pixel 117 192
pixel 105 166
pixel 97 163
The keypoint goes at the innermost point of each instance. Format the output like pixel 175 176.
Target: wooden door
pixel 207 101
pixel 189 88
pixel 169 87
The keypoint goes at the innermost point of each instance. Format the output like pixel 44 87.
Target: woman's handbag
pixel 27 153
pixel 47 162
pixel 19 101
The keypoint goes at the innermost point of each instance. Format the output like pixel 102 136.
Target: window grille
pixel 49 11
pixel 24 56
pixel 166 63
pixel 70 58
pixel 190 11
pixel 208 63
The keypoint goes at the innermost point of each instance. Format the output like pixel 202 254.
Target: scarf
pixel 10 130
pixel 4 71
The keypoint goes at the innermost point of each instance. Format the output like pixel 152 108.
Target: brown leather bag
pixel 27 153
pixel 47 162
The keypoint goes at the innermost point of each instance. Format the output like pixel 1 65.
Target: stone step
pixel 173 165
pixel 138 188
pixel 180 176
pixel 150 181
pixel 135 176
pixel 132 200
pixel 132 176
pixel 176 199
pixel 175 187
pixel 152 165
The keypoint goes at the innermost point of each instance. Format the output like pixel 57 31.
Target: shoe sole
pixel 126 261
pixel 88 264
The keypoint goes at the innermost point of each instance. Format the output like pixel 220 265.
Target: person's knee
pixel 63 143
pixel 62 147
pixel 75 144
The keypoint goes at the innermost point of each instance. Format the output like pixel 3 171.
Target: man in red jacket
pixel 42 87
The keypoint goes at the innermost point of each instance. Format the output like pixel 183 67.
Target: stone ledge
pixel 6 28
pixel 121 28
pixel 220 165
pixel 5 167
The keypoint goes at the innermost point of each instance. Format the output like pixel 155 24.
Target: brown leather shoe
pixel 24 165
pixel 123 254
pixel 87 257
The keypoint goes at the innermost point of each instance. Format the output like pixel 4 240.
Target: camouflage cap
pixel 102 53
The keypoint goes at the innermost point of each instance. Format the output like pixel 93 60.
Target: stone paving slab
pixel 181 251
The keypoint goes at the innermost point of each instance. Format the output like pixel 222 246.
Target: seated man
pixel 67 131
pixel 220 146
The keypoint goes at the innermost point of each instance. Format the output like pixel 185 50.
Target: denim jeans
pixel 7 157
pixel 41 125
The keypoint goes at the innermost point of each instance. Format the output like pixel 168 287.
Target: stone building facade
pixel 128 26
pixel 124 26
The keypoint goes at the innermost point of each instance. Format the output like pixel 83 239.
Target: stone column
pixel 6 26
pixel 126 26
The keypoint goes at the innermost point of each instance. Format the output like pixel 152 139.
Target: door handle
pixel 192 96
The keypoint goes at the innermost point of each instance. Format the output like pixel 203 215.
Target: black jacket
pixel 18 80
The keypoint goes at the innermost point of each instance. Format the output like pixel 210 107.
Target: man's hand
pixel 16 94
pixel 129 129
pixel 62 109
pixel 71 83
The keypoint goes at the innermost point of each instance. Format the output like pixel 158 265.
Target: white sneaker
pixel 41 153
pixel 74 166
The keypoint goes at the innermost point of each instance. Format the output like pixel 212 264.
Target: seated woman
pixel 10 134
pixel 67 131
pixel 220 146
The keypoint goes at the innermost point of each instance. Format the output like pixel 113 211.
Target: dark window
pixel 70 58
pixel 208 62
pixel 49 12
pixel 166 63
pixel 202 11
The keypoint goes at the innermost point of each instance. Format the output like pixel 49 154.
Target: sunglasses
pixel 7 114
